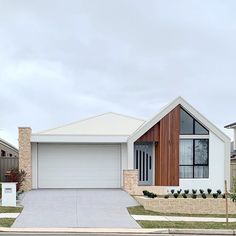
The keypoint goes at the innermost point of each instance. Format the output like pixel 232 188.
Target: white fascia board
pixel 78 138
pixel 178 101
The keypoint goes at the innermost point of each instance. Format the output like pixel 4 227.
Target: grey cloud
pixel 64 60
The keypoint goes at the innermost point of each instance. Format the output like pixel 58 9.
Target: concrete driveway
pixel 76 208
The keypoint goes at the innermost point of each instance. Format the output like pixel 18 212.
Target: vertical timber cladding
pixel 167 150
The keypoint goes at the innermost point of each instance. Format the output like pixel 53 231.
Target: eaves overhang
pixel 43 138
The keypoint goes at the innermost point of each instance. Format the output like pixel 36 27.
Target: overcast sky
pixel 61 61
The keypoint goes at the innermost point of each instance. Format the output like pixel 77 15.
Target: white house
pixel 178 148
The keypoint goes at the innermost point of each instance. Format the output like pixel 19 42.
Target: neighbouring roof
pixel 104 124
pixel 6 144
pixel 233 125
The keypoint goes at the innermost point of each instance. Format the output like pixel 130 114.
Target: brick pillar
pixel 130 181
pixel 25 162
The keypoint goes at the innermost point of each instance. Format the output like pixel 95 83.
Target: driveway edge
pixel 120 230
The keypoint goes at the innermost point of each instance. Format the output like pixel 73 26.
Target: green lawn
pixel 139 210
pixel 186 225
pixel 10 209
pixel 6 222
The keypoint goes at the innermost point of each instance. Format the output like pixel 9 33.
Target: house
pixel 7 149
pixel 178 148
pixel 233 144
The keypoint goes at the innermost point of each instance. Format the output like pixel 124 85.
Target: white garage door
pixel 78 166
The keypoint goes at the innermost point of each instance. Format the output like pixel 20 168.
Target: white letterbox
pixel 8 194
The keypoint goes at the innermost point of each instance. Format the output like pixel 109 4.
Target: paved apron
pixel 76 208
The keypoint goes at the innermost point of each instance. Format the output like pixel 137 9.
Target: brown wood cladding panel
pixel 167 150
pixel 152 135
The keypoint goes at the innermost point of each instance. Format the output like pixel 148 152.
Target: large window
pixel 194 150
pixel 194 158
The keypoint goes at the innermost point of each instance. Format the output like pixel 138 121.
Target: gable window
pixel 194 150
pixel 189 125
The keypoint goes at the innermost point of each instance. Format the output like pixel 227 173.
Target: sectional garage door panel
pixel 78 166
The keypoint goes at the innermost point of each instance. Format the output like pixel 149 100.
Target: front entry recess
pixel 143 153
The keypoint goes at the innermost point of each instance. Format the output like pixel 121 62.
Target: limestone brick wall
pixel 25 162
pixel 189 205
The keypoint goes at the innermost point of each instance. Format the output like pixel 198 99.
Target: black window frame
pixel 194 121
pixel 193 165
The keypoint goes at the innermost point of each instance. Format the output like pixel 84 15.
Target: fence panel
pixel 7 163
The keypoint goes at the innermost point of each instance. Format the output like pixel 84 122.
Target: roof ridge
pixel 85 119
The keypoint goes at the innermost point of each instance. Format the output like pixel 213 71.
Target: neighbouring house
pixel 233 144
pixel 177 148
pixel 7 149
pixel 9 158
pixel 232 154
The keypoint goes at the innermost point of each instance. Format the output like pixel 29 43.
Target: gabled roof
pixel 104 124
pixel 230 126
pixel 178 101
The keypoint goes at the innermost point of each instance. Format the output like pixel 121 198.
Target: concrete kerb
pixel 120 230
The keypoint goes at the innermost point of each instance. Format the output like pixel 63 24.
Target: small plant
pixel 223 195
pixel 186 191
pixel 151 195
pixel 204 196
pixel 233 197
pixel 145 192
pixel 194 196
pixel 179 191
pixel 215 195
pixel 172 191
pixel 184 195
pixel 176 195
pixel 201 191
pixel 194 191
pixel 166 196
pixel 209 191
pixel 219 191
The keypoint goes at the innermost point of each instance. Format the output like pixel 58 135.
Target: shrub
pixel 179 191
pixel 176 195
pixel 172 191
pixel 186 191
pixel 194 191
pixel 166 196
pixel 194 196
pixel 201 191
pixel 184 195
pixel 15 175
pixel 145 192
pixel 204 195
pixel 219 191
pixel 209 191
pixel 151 195
pixel 215 195
pixel 233 197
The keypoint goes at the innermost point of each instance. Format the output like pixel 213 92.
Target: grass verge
pixel 186 225
pixel 139 210
pixel 6 222
pixel 10 209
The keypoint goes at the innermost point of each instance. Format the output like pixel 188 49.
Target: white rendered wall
pixel 218 159
pixel 34 154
